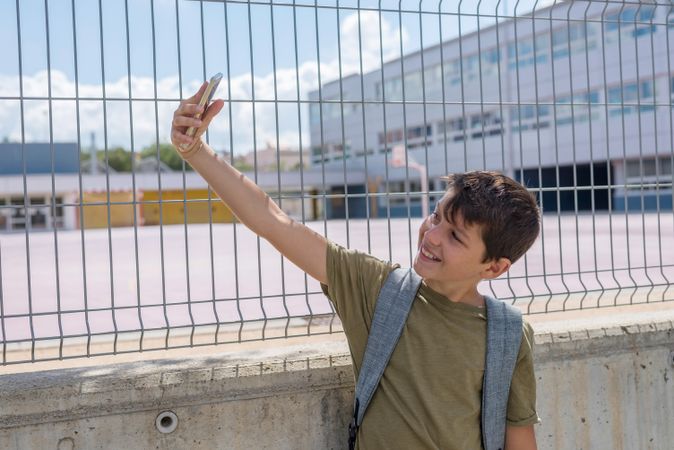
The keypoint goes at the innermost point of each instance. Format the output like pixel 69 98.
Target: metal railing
pixel 118 246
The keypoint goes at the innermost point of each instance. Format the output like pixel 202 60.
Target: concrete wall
pixel 599 388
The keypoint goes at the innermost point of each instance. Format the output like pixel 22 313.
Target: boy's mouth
pixel 424 252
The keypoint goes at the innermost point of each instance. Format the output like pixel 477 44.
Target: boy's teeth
pixel 428 254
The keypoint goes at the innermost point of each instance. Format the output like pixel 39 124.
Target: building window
pixel 393 89
pixel 631 23
pixel 648 170
pixel 491 57
pixel 451 125
pixel 413 87
pixel 432 78
pixel 452 129
pixel 404 191
pixel 398 189
pixel 521 54
pixel 487 124
pixel 529 117
pixel 471 67
pixel 4 214
pixel 486 120
pixel 579 111
pixel 576 38
pixel 452 71
pixel 420 144
pixel 18 217
pixel 636 92
pixel 57 220
pixel 419 132
pixel 528 52
pixel 392 136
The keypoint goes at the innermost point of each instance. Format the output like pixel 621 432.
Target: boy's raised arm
pixel 251 205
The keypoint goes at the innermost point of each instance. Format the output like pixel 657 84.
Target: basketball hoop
pixel 398 161
pixel 398 156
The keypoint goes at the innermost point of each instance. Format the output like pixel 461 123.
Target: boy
pixel 430 393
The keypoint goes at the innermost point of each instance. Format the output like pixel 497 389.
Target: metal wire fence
pixel 348 113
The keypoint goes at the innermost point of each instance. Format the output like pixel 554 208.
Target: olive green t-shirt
pixel 430 394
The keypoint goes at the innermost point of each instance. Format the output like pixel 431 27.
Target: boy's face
pixel 450 255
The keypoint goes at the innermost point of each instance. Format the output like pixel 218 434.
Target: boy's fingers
pixel 206 118
pixel 187 109
pixel 211 112
pixel 196 97
pixel 185 121
pixel 180 138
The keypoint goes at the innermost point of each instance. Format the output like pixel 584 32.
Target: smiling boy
pixel 430 393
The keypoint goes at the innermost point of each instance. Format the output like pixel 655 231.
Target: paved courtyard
pixel 199 275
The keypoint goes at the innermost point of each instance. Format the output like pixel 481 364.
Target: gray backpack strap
pixel 390 314
pixel 504 336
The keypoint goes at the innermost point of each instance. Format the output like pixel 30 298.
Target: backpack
pixel 504 335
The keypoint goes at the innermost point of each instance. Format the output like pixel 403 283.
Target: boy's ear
pixel 496 268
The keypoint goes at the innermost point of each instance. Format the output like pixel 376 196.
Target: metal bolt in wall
pixel 166 422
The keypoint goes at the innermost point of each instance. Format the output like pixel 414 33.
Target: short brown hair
pixel 506 212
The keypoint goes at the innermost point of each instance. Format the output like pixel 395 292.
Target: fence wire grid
pixel 348 113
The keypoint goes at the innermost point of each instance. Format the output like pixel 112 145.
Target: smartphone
pixel 206 99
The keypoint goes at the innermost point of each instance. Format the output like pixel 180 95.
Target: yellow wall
pixel 96 216
pixel 173 213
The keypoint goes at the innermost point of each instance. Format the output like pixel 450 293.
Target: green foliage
pixel 242 165
pixel 120 159
pixel 167 154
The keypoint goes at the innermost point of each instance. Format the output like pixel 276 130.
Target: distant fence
pixel 573 99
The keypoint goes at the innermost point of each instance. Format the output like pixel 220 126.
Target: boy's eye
pixel 456 237
pixel 434 216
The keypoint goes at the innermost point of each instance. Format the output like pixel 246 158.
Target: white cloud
pixel 91 113
pixel 369 41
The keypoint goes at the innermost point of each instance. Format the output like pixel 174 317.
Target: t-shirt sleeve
pixel 354 282
pixel 522 400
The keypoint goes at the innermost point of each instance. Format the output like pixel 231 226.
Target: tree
pixel 241 164
pixel 118 159
pixel 167 154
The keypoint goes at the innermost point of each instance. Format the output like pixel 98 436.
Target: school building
pixel 576 98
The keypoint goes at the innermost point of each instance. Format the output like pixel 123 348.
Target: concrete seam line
pixel 161 396
pixel 9 422
pixel 608 345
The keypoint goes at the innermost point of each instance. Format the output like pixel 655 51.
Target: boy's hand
pixel 183 118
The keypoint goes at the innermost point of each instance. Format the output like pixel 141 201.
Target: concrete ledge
pixel 606 386
pixel 588 343
pixel 43 397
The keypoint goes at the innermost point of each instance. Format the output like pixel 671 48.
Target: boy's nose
pixel 433 235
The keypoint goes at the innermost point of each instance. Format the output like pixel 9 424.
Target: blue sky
pixel 194 18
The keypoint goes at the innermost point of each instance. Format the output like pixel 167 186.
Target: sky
pixel 173 45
